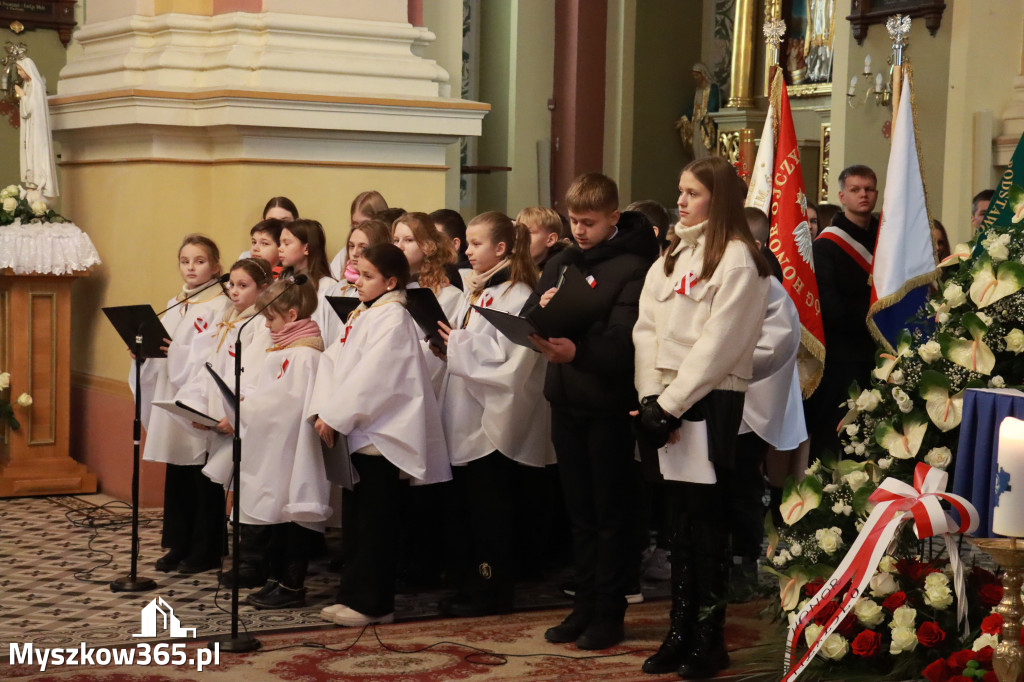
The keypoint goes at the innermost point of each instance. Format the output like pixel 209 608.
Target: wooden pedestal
pixel 35 347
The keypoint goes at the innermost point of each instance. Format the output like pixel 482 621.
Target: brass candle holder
pixel 1008 660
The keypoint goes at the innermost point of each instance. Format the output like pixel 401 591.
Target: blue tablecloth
pixel 975 472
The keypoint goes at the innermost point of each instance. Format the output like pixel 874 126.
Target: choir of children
pixel 382 408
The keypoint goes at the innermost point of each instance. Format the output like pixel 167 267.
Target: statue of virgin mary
pixel 38 166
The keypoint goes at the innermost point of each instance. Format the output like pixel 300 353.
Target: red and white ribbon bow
pixel 895 502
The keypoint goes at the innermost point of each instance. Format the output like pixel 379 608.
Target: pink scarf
pixel 293 331
pixel 351 274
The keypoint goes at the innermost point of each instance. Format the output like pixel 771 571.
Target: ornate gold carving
pixel 729 146
pixel 823 161
pixel 1008 660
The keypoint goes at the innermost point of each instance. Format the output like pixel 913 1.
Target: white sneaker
pixel 327 613
pixel 635 598
pixel 351 618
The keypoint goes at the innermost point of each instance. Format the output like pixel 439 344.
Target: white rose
pixel 1015 341
pixel 856 479
pixel 811 633
pixel 10 204
pixel 942 318
pixel 860 449
pixel 867 401
pixel 984 641
pixel 852 429
pixel 882 585
pixel 796 549
pixel 5 380
pixel 834 647
pixel 903 639
pixel 938 457
pixel 936 580
pixel 903 401
pixel 10 191
pixel 887 564
pixel 38 208
pixel 837 508
pixel 848 449
pixel 782 557
pixel 996 382
pixel 885 463
pixel 996 245
pixel 24 400
pixel 954 296
pixel 903 617
pixel 897 377
pixel 984 318
pixel 938 596
pixel 828 541
pixel 868 612
pixel 932 351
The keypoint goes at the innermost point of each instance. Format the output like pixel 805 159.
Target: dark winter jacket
pixel 600 378
pixel 845 294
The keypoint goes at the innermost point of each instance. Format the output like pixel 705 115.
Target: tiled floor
pixel 56 570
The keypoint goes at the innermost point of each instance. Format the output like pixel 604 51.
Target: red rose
pixel 958 661
pixel 866 644
pixel 992 624
pixel 961 678
pixel 937 671
pixel 895 600
pixel 811 588
pixel 849 626
pixel 990 676
pixel 930 634
pixel 827 609
pixel 984 656
pixel 990 594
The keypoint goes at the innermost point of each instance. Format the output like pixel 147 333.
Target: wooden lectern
pixel 35 347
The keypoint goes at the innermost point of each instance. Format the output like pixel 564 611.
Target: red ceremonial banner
pixel 791 241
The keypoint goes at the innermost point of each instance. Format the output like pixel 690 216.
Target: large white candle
pixel 1008 515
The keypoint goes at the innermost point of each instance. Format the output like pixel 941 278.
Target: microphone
pixel 300 279
pixel 223 279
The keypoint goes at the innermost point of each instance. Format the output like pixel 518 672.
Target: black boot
pixel 290 591
pixel 708 654
pixel 169 562
pixel 606 628
pixel 682 619
pixel 570 629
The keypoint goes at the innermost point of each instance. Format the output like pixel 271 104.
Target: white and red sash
pixel 851 246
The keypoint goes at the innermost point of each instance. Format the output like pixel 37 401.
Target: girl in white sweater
pixel 701 311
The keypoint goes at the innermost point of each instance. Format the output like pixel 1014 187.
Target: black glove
pixel 653 425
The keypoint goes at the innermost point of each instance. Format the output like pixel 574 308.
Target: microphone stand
pixel 235 642
pixel 132 582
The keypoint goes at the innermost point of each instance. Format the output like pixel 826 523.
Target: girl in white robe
pixel 362 236
pixel 374 390
pixel 495 415
pixel 283 482
pixel 249 278
pixel 193 521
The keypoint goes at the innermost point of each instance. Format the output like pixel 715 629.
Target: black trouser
pixel 826 407
pixel 488 487
pixel 747 498
pixel 194 514
pixel 289 548
pixel 253 544
pixel 595 460
pixel 368 577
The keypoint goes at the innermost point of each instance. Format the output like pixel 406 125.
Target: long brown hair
pixel 369 203
pixel 311 233
pixel 208 245
pixel 516 238
pixel 438 250
pixel 726 221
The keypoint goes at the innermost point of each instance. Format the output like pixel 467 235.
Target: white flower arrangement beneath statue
pixel 7 407
pixel 34 239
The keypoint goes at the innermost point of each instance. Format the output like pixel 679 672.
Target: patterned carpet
pixel 60 553
pixel 435 650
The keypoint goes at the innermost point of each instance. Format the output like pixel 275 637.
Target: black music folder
pixel 343 305
pixel 133 320
pixel 424 307
pixel 568 314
